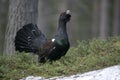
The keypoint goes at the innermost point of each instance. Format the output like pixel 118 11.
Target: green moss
pixel 86 56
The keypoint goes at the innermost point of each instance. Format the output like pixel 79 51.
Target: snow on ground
pixel 110 73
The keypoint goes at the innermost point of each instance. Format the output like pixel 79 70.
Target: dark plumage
pixel 31 39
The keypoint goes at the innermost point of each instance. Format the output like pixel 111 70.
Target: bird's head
pixel 65 16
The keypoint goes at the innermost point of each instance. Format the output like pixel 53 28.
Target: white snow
pixel 110 73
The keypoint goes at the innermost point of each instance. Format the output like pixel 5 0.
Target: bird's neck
pixel 62 26
pixel 62 30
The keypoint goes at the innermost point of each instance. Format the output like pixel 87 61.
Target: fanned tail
pixel 29 39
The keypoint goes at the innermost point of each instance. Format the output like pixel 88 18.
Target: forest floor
pixel 86 56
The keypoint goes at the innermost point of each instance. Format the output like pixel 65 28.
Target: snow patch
pixel 110 73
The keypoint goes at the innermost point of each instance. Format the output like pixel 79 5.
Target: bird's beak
pixel 68 12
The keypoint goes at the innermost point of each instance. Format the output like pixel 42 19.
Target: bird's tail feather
pixel 29 38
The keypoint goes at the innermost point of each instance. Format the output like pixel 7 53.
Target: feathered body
pixel 31 39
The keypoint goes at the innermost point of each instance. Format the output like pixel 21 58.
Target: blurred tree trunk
pixel 95 23
pixel 116 23
pixel 3 20
pixel 43 10
pixel 63 5
pixel 21 12
pixel 104 19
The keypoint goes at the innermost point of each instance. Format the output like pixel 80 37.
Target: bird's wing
pixel 45 50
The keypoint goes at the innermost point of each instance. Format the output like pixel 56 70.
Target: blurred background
pixel 90 18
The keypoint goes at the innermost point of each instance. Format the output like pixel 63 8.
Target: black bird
pixel 31 39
